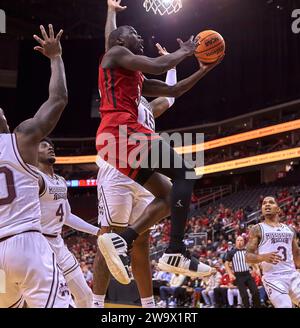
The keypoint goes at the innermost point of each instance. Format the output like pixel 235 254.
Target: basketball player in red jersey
pixel 121 200
pixel 121 83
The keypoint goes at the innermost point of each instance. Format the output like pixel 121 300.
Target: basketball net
pixel 163 6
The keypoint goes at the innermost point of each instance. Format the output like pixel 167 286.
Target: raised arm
pixel 162 104
pixel 252 247
pixel 113 7
pixel 156 88
pixel 119 56
pixel 33 130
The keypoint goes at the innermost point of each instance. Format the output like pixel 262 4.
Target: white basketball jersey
pixel 277 239
pixel 54 204
pixel 19 191
pixel 145 115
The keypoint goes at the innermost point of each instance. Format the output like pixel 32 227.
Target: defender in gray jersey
pixel 26 259
pixel 56 212
pixel 274 245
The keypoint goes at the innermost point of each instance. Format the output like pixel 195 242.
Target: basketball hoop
pixel 163 6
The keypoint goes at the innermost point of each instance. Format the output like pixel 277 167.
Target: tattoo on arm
pixel 252 245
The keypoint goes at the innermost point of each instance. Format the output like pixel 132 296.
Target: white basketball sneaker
pixel 182 264
pixel 114 249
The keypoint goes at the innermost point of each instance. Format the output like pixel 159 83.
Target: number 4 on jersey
pixel 60 212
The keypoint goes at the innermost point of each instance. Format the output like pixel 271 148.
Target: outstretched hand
pixel 115 5
pixel 190 45
pixel 50 45
pixel 161 50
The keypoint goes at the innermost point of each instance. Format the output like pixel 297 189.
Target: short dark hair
pixel 47 139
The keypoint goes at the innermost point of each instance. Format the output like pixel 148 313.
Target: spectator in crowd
pixel 170 289
pixel 208 293
pixel 220 293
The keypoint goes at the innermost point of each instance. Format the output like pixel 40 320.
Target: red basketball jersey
pixel 120 96
pixel 120 90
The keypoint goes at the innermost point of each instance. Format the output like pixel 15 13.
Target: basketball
pixel 211 46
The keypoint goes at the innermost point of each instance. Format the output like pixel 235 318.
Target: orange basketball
pixel 211 46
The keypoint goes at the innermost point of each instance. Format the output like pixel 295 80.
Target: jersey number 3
pixel 284 252
pixel 60 213
pixel 6 175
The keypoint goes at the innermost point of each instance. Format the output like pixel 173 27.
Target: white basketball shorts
pixel 66 261
pixel 31 273
pixel 121 200
pixel 283 290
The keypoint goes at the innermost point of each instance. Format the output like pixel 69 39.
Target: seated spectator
pixel 220 293
pixel 169 290
pixel 231 293
pixel 159 279
pixel 208 293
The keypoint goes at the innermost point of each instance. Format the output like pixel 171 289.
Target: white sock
pixel 98 301
pixel 148 302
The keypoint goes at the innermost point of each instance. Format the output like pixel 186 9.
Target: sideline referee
pixel 240 274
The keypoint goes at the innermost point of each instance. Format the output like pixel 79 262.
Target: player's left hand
pixel 209 67
pixel 161 50
pixel 115 5
pixel 50 45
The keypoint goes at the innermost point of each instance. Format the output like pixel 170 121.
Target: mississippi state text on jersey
pixel 54 204
pixel 277 239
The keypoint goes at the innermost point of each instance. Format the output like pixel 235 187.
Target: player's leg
pixel 41 281
pixel 277 291
pixel 174 260
pixel 10 295
pixel 295 288
pixel 115 207
pixel 141 269
pixel 82 293
pixel 155 211
pixel 183 178
pixel 159 208
pixel 140 257
pixel 72 272
pixel 83 296
pixel 101 276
